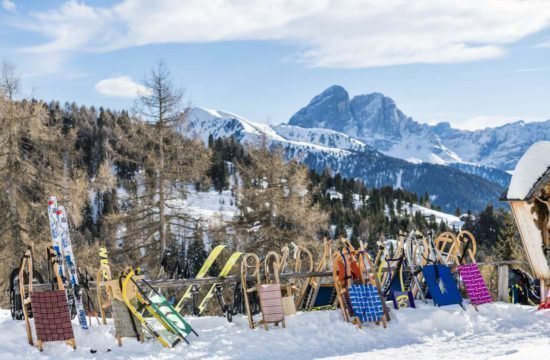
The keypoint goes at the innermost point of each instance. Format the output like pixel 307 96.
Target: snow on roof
pixel 532 165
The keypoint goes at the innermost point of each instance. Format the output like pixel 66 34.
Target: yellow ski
pixel 202 272
pixel 223 273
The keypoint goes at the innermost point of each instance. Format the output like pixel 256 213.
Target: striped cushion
pixel 366 303
pixel 474 283
pixel 271 303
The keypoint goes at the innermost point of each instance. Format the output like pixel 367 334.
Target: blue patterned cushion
pixel 366 303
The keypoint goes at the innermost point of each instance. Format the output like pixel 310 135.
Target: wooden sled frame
pixel 391 263
pixel 301 285
pixel 27 266
pixel 250 266
pixel 417 252
pixel 315 284
pixel 364 274
pixel 466 246
pixel 446 243
pixel 273 259
pixel 113 292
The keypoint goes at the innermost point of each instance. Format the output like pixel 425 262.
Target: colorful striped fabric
pixel 474 283
pixel 366 303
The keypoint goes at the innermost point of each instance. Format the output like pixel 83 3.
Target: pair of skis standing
pixel 62 246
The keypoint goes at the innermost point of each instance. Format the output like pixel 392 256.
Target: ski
pixel 58 250
pixel 223 273
pixel 71 265
pixel 202 273
pixel 104 260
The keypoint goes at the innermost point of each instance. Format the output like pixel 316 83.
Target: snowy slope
pixel 320 149
pixel 202 123
pixel 319 136
pixel 497 331
pixel 450 220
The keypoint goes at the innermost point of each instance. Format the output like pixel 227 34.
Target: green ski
pixel 202 273
pixel 223 273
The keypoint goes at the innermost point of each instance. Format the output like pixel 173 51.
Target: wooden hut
pixel 529 198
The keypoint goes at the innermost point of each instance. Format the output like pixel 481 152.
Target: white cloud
pixel 122 86
pixel 544 44
pixel 342 33
pixel 535 69
pixel 9 5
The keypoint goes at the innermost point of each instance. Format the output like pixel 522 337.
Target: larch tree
pixel 32 167
pixel 167 162
pixel 274 202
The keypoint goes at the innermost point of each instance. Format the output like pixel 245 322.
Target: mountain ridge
pixel 376 120
pixel 322 149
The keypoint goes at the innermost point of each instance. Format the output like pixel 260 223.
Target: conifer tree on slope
pixel 274 202
pixel 31 168
pixel 167 161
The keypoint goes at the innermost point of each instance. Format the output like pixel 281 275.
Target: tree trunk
pixel 162 220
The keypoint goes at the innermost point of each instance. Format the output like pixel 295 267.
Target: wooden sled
pixel 270 296
pixel 470 275
pixel 109 296
pixel 274 264
pixel 51 315
pixel 359 298
pixel 319 293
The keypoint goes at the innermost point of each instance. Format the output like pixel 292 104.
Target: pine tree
pixel 508 246
pixel 196 255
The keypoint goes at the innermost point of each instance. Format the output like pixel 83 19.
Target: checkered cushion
pixel 474 283
pixel 51 316
pixel 271 303
pixel 366 303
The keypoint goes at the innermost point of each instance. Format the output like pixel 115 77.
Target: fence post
pixel 503 283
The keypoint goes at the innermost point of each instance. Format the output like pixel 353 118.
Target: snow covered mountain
pixel 376 120
pixel 325 148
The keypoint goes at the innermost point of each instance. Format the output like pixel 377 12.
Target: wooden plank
pixel 503 283
pixel 177 283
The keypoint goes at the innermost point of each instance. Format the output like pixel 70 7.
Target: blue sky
pixel 472 63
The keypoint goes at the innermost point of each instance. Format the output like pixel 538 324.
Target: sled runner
pixel 269 295
pixel 16 308
pixel 301 285
pixel 416 250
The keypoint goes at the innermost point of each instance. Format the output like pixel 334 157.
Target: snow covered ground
pixel 497 331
